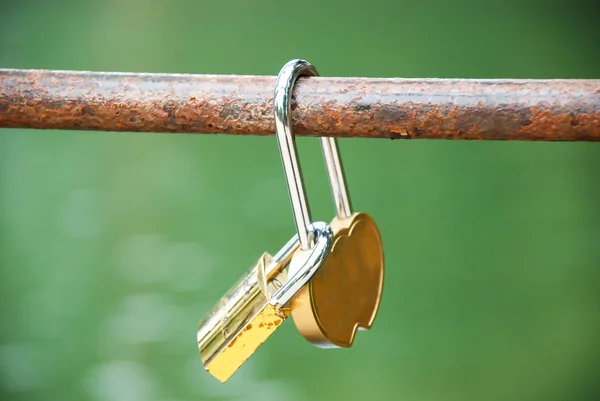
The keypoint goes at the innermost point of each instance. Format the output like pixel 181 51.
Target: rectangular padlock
pixel 256 306
pixel 242 321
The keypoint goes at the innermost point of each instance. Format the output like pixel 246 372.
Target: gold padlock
pixel 345 294
pixel 257 305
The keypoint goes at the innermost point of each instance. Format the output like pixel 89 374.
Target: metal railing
pixel 474 109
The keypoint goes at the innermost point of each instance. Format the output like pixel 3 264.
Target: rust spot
pixel 169 110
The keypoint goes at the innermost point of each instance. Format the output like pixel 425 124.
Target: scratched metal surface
pixel 113 246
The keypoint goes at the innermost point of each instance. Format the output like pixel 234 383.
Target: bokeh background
pixel 114 245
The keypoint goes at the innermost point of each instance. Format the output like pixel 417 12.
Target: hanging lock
pixel 257 305
pixel 332 275
pixel 344 295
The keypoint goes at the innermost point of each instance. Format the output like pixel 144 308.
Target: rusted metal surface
pixel 544 110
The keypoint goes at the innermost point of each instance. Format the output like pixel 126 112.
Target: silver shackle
pixel 289 156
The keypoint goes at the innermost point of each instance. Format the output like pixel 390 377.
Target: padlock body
pixel 243 320
pixel 344 295
pixel 257 305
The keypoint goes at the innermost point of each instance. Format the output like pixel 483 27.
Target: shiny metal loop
pixel 337 180
pixel 318 254
pixel 289 156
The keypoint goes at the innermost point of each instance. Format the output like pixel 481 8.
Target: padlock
pixel 345 294
pixel 257 305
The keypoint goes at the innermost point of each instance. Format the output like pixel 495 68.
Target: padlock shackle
pixel 310 265
pixel 282 106
pixel 337 179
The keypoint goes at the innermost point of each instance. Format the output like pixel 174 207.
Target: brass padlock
pixel 344 295
pixel 257 305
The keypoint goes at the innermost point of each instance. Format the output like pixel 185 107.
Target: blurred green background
pixel 114 245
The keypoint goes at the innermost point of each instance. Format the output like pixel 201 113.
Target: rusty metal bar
pixel 544 110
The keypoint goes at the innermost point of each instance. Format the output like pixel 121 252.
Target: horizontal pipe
pixel 533 110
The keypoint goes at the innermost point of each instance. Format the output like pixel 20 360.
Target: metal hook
pixel 289 156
